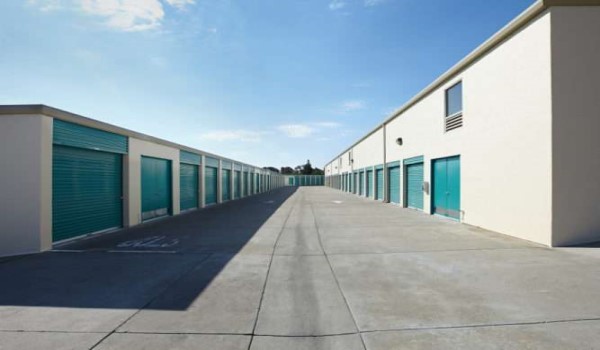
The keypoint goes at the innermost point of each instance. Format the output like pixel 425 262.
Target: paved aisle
pixel 305 269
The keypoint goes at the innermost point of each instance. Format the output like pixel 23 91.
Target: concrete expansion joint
pixel 151 300
pixel 437 251
pixel 55 332
pixel 337 282
pixel 483 325
pixel 264 287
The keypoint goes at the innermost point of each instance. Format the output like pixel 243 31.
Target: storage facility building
pixel 507 140
pixel 65 176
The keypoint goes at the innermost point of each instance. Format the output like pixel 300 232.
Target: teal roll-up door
pixel 246 184
pixel 348 183
pixel 87 191
pixel 369 191
pixel 379 185
pixel 361 183
pixel 237 184
pixel 226 185
pixel 188 186
pixel 414 186
pixel 394 186
pixel 210 185
pixel 156 187
pixel 446 187
pixel 290 181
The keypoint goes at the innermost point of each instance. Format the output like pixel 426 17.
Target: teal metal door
pixel 210 185
pixel 369 191
pixel 379 189
pixel 237 184
pixel 226 185
pixel 446 187
pixel 414 186
pixel 394 193
pixel 361 182
pixel 246 183
pixel 348 182
pixel 87 190
pixel 188 186
pixel 156 187
pixel 355 183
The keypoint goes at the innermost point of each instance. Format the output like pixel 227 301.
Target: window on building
pixel 454 107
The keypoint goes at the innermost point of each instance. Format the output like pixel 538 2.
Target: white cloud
pixel 328 124
pixel 296 130
pixel 351 106
pixel 180 4
pixel 374 2
pixel 337 5
pixel 46 5
pixel 233 135
pixel 126 15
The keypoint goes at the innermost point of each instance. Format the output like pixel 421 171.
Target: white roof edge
pixel 96 124
pixel 513 26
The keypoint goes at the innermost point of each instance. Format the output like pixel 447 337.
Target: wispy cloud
pixel 180 4
pixel 328 124
pixel 361 85
pixel 337 5
pixel 46 5
pixel 233 135
pixel 351 106
pixel 296 130
pixel 125 15
pixel 369 3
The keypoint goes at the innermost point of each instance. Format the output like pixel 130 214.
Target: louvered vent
pixel 454 122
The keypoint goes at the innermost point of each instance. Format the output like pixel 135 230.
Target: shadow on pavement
pixel 130 268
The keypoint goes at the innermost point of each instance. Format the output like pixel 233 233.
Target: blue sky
pixel 269 82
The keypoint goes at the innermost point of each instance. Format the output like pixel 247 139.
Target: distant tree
pixel 307 168
pixel 286 170
pixel 303 169
pixel 275 170
pixel 317 171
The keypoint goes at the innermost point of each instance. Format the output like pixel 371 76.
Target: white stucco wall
pixel 25 184
pixel 133 175
pixel 369 152
pixel 576 124
pixel 505 143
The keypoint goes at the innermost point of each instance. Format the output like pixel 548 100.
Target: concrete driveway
pixel 306 269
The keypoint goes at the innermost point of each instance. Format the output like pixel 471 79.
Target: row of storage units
pixel 305 180
pixel 104 180
pixel 403 183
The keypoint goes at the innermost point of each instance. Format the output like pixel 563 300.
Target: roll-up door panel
pixel 237 184
pixel 226 185
pixel 210 185
pixel 369 191
pixel 414 188
pixel 87 192
pixel 156 187
pixel 394 185
pixel 188 186
pixel 380 184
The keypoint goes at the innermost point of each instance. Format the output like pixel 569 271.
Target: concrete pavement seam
pixel 262 294
pixel 180 277
pixel 337 282
pixel 491 325
pixel 437 251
